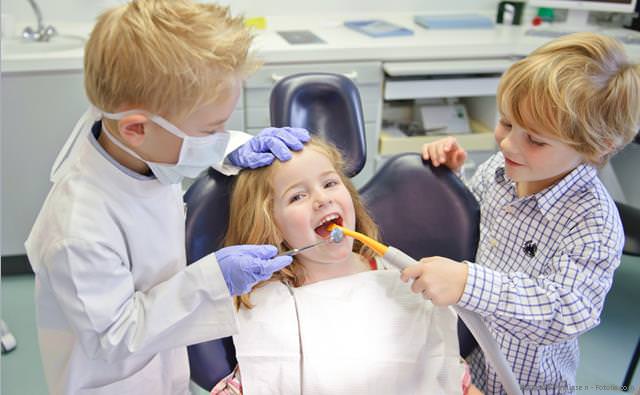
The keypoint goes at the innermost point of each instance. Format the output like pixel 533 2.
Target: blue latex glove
pixel 243 266
pixel 267 145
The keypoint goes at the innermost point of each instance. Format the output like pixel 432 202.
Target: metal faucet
pixel 41 33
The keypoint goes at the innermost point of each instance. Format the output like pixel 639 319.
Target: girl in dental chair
pixel 334 321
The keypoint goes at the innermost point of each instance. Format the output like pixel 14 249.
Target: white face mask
pixel 196 153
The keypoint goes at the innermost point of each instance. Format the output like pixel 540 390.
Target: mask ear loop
pixel 121 145
pixel 157 119
pixel 168 126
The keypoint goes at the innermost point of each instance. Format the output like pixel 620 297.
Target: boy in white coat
pixel 116 304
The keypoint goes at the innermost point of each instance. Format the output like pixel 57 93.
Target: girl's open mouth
pixel 326 221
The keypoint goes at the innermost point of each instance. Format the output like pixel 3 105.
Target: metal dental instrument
pixel 479 330
pixel 335 236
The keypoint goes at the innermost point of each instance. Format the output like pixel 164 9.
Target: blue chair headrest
pixel 327 105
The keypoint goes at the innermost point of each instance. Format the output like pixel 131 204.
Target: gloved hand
pixel 243 266
pixel 267 145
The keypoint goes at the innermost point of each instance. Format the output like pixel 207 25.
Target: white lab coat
pixel 116 305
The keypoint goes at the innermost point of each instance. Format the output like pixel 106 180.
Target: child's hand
pixel 445 151
pixel 440 279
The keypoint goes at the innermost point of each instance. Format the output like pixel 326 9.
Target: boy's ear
pixel 132 129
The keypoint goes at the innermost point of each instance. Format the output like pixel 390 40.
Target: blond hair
pixel 251 214
pixel 581 89
pixel 165 56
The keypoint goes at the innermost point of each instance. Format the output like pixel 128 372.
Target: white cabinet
pixel 38 113
pixel 366 75
pixel 471 82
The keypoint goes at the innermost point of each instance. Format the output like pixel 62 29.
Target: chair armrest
pixel 630 217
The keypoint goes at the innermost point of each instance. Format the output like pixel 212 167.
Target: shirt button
pixel 493 242
pixel 509 209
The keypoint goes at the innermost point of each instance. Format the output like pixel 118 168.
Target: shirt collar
pixel 546 199
pixel 576 180
pixel 96 129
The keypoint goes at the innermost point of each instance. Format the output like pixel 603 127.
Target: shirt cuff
pixel 212 276
pixel 482 290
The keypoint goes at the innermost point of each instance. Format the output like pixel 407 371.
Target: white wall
pixel 87 10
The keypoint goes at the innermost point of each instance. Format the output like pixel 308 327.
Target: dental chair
pixel 326 104
pixel 420 209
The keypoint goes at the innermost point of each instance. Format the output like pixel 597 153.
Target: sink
pixel 20 46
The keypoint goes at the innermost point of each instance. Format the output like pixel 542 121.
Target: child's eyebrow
pixel 539 136
pixel 290 187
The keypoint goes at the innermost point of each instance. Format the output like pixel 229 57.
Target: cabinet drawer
pixel 360 72
pixel 390 145
pixel 440 87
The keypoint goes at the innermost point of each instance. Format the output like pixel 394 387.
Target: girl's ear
pixel 280 241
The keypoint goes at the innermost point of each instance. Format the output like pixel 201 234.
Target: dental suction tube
pixel 473 321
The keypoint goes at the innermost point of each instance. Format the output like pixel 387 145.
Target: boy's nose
pixel 506 143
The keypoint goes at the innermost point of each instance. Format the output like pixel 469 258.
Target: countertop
pixel 342 44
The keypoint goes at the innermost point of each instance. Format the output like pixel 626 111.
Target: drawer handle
pixel 353 75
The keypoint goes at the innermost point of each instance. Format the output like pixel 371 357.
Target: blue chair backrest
pixel 419 207
pixel 326 104
pixel 207 220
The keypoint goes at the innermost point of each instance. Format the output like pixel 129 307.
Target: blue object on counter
pixel 454 21
pixel 378 28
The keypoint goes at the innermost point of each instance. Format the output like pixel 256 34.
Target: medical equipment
pixel 335 236
pixel 473 321
pixel 197 153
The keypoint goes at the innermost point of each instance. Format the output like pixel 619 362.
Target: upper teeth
pixel 328 218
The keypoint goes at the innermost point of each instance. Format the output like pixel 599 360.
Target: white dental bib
pixel 361 334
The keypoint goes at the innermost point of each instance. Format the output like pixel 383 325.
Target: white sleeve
pixel 113 320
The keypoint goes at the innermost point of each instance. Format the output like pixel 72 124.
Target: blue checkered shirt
pixel 544 265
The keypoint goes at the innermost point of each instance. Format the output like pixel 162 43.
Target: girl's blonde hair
pixel 251 214
pixel 581 89
pixel 165 56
